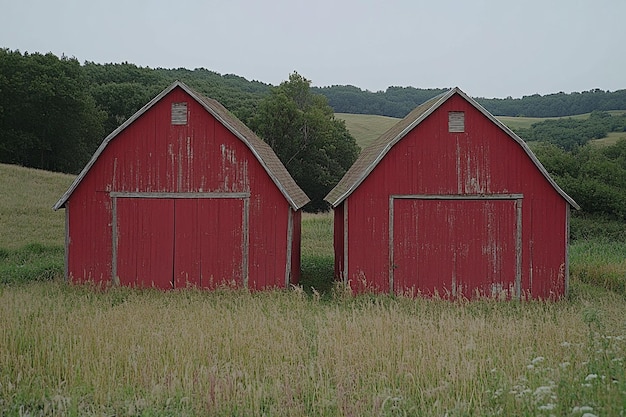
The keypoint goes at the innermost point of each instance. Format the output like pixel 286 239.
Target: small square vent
pixel 456 122
pixel 179 113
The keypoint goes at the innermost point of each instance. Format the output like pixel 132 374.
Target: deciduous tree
pixel 300 126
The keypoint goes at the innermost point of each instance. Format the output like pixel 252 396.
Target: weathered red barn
pixel 183 194
pixel 449 201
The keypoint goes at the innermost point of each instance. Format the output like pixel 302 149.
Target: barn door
pixel 144 252
pixel 456 247
pixel 209 243
pixel 178 242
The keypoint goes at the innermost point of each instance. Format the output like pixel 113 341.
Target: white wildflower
pixel 591 377
pixel 582 409
pixel 543 391
pixel 547 407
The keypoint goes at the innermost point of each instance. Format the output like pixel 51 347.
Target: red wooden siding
pixel 145 235
pixel 176 205
pixel 496 225
pixel 451 247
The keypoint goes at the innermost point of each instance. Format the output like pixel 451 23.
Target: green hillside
pixel 366 127
pixel 26 214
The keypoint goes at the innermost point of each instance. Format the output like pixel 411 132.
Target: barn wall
pixel 338 240
pixel 151 155
pixel 431 161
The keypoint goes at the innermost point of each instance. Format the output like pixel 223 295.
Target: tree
pixel 301 128
pixel 47 119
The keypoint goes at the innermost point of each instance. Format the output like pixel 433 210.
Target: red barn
pixel 451 202
pixel 183 194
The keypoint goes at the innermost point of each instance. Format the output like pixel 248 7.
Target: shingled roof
pixel 261 150
pixel 376 151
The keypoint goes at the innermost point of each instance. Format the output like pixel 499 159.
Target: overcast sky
pixel 488 48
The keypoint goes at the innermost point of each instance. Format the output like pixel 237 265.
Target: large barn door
pixel 144 254
pixel 209 242
pixel 456 247
pixel 180 240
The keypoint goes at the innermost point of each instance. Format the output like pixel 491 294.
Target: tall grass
pixel 71 350
pixel 600 263
pixel 317 253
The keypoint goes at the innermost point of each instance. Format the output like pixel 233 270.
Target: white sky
pixel 488 48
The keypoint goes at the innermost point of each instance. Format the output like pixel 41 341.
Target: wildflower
pixel 547 407
pixel 537 360
pixel 591 377
pixel 582 409
pixel 543 391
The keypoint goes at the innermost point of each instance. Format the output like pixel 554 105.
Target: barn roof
pixel 261 150
pixel 376 151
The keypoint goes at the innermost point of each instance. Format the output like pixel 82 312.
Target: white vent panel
pixel 456 122
pixel 179 113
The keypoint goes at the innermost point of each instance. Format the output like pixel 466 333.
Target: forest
pixel 55 111
pixel 399 101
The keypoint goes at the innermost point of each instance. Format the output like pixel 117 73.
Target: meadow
pixel 314 349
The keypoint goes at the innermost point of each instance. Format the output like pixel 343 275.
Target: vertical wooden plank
pixel 246 241
pixel 518 250
pixel 345 242
pixel 391 245
pixel 114 244
pixel 289 246
pixel 67 242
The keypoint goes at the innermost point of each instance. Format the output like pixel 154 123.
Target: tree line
pixel 54 113
pixel 399 101
pixel 569 133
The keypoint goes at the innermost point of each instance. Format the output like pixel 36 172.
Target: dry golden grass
pixel 76 351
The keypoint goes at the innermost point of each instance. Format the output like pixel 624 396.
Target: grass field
pixel 366 127
pixel 312 350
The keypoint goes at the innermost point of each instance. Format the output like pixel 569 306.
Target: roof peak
pixel 370 156
pixel 261 150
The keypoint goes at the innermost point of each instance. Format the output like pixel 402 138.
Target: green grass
pixel 600 263
pixel 26 214
pixel 366 127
